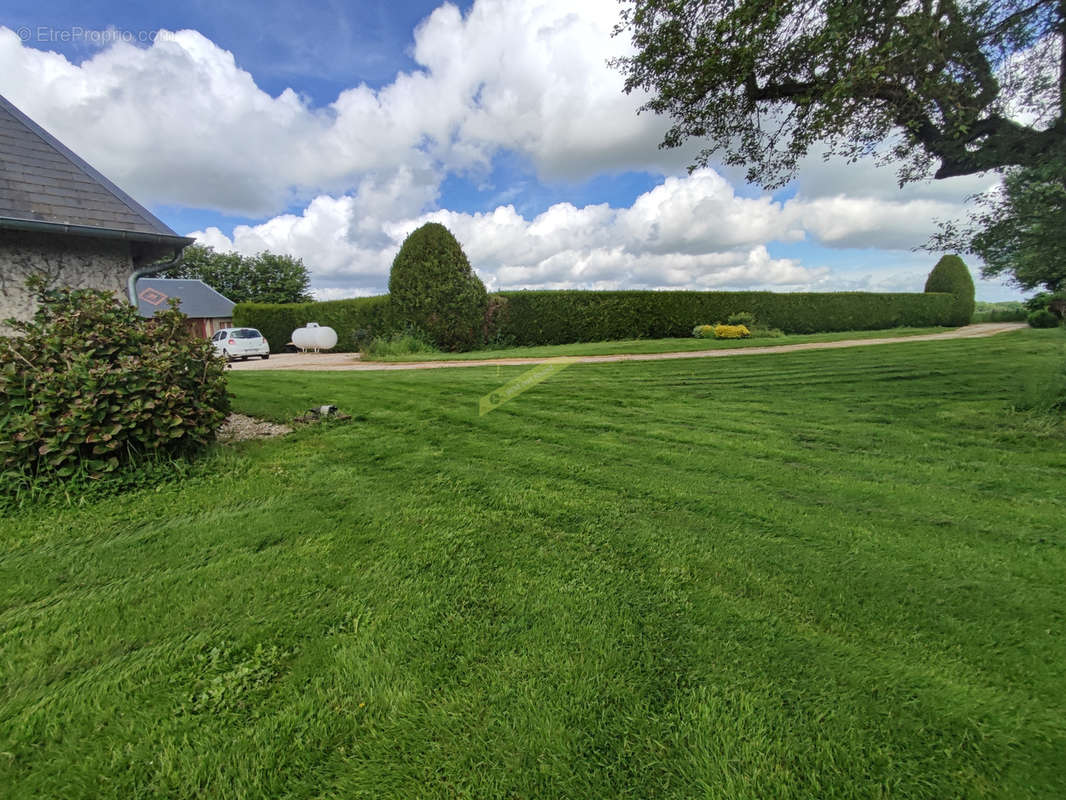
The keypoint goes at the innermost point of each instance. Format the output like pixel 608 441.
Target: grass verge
pixel 833 574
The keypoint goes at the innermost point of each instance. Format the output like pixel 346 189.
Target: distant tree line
pixel 263 278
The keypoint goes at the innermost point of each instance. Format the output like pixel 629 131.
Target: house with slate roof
pixel 62 219
pixel 207 310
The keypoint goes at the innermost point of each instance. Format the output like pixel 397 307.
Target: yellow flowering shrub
pixel 703 331
pixel 731 332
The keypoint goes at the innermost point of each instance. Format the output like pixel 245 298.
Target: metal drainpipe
pixel 151 269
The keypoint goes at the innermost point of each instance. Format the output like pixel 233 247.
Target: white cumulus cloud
pixel 350 241
pixel 180 122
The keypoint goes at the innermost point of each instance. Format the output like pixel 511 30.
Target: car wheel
pixel 265 357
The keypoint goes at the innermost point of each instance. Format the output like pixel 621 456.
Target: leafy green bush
pixel 398 345
pixel 90 387
pixel 562 317
pixel 703 331
pixel 1055 302
pixel 1043 318
pixel 433 288
pixel 951 275
pixel 745 318
pixel 356 321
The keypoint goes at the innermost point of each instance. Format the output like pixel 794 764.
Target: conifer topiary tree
pixel 433 288
pixel 952 276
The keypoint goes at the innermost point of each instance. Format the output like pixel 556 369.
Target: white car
pixel 243 343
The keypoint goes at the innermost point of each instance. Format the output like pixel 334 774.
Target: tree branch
pixel 1004 143
pixel 1007 21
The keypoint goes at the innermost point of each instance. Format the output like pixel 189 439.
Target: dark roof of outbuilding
pixel 197 298
pixel 46 186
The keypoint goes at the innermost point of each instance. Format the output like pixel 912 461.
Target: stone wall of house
pixel 76 261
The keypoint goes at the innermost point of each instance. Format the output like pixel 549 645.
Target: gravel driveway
pixel 336 362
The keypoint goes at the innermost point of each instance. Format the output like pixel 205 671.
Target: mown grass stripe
pixel 826 574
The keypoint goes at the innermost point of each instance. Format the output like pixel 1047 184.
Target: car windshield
pixel 246 333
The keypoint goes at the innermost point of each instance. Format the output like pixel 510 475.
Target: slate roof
pixel 43 184
pixel 197 298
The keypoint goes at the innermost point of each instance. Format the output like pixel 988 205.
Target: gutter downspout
pixel 151 269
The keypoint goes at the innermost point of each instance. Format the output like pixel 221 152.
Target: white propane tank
pixel 314 337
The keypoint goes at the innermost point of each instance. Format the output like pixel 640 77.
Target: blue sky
pixel 318 48
pixel 332 129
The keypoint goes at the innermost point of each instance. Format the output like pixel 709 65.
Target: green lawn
pixel 626 346
pixel 831 574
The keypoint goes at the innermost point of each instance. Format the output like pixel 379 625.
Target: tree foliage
pixel 763 81
pixel 1055 302
pixel 1019 229
pixel 950 275
pixel 433 288
pixel 262 278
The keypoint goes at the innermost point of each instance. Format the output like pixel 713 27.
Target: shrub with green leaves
pixel 433 288
pixel 951 275
pixel 1055 302
pixel 88 387
pixel 398 345
pixel 1042 318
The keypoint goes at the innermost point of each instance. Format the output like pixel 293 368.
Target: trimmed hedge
pixel 565 316
pixel 951 275
pixel 355 320
pixel 561 317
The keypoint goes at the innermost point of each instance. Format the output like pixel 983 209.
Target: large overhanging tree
pixel 947 87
